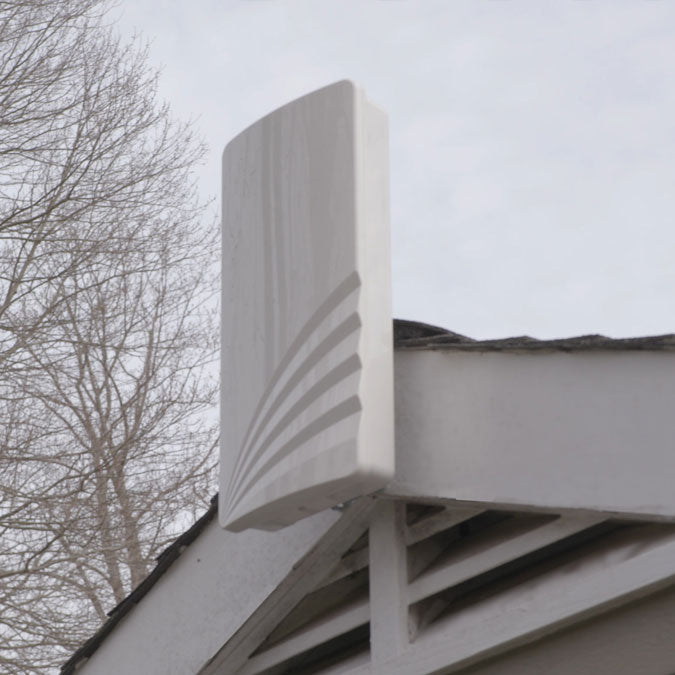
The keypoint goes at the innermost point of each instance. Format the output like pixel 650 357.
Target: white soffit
pixel 307 365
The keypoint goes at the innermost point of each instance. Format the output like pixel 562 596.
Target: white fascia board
pixel 591 431
pixel 307 365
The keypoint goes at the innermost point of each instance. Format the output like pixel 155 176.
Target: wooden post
pixel 388 582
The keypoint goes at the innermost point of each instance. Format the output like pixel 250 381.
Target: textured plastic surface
pixel 307 366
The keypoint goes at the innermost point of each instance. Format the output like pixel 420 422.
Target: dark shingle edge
pixel 408 339
pixel 165 559
pixel 410 330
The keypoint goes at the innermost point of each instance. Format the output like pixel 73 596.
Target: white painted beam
pixel 528 612
pixel 552 431
pixel 469 564
pixel 388 581
pixel 427 527
pixel 349 564
pixel 335 624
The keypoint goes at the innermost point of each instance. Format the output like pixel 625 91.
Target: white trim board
pixel 591 432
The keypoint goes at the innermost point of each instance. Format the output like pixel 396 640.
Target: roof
pixel 408 335
pixel 411 335
pixel 164 560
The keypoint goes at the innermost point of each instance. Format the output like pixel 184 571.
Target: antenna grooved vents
pixel 306 387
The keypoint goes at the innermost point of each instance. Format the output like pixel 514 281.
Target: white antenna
pixel 307 366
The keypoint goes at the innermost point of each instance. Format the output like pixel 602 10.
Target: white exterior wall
pixel 203 598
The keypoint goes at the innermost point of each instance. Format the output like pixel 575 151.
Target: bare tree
pixel 81 138
pixel 107 337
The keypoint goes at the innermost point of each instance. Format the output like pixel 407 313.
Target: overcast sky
pixel 532 143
